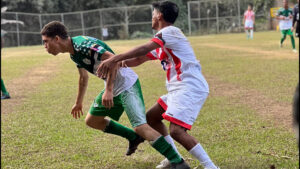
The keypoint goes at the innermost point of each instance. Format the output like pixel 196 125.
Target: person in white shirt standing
pixel 186 86
pixel 249 20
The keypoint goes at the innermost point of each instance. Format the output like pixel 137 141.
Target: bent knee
pixel 97 123
pixel 177 132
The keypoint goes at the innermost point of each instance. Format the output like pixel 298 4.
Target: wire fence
pixel 204 17
pixel 108 23
pixel 226 16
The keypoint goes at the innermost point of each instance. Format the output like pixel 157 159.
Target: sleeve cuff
pixel 151 56
pixel 158 41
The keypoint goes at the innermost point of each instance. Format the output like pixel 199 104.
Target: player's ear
pixel 56 38
pixel 159 16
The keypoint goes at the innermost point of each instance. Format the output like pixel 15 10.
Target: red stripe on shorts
pixel 176 121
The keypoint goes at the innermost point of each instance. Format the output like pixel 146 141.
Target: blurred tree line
pixel 226 7
pixel 59 6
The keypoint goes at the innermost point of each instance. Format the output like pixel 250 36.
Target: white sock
pixel 247 33
pixel 202 156
pixel 170 140
pixel 251 33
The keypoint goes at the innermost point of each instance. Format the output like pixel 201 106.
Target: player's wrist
pixel 78 102
pixel 109 89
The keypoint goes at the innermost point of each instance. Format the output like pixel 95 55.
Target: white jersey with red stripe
pixel 178 60
pixel 249 15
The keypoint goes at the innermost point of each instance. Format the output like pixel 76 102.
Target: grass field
pixel 245 122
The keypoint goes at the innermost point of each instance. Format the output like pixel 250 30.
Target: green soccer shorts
pixel 286 32
pixel 130 100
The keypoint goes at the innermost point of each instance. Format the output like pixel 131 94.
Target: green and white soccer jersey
pixel 287 23
pixel 88 52
pixel 87 55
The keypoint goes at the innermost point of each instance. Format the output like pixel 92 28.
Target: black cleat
pixel 6 96
pixel 134 144
pixel 181 165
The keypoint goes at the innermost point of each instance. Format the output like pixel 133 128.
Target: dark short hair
pixel 250 5
pixel 169 10
pixel 55 28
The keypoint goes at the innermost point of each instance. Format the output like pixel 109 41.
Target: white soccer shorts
pixel 248 24
pixel 182 107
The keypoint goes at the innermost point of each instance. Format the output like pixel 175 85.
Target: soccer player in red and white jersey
pixel 186 86
pixel 249 20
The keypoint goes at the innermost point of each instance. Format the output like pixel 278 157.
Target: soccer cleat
pixel 134 144
pixel 181 165
pixel 5 96
pixel 280 44
pixel 295 51
pixel 164 164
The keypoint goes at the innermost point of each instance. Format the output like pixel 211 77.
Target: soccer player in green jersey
pixel 285 17
pixel 122 92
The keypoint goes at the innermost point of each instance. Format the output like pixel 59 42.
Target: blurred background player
pixel 296 113
pixel 296 19
pixel 5 94
pixel 285 17
pixel 249 20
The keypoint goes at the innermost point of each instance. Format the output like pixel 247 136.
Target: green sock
pixel 282 39
pixel 293 42
pixel 120 130
pixel 166 149
pixel 3 89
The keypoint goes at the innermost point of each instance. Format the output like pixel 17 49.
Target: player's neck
pixel 162 25
pixel 67 46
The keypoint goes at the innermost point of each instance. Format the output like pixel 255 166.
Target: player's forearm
pixel 110 80
pixel 83 83
pixel 133 62
pixel 136 52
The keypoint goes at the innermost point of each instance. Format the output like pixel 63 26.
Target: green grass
pixel 17 63
pixel 274 77
pixel 41 133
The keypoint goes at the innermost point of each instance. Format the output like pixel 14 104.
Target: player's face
pixel 50 44
pixel 285 3
pixel 249 8
pixel 155 18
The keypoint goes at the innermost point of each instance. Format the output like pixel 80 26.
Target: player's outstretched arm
pixel 134 53
pixel 83 83
pixel 133 62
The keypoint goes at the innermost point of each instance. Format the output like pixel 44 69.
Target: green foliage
pixel 182 21
pixel 23 5
pixel 57 6
pixel 263 5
